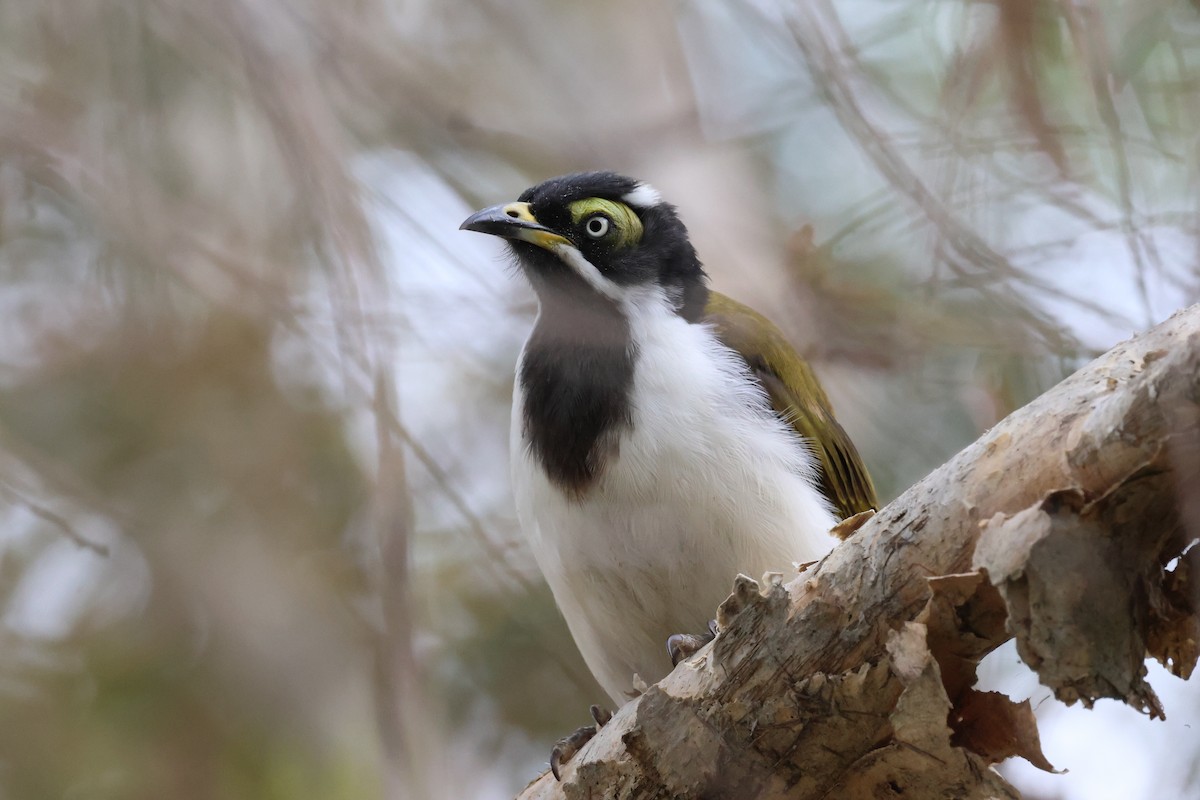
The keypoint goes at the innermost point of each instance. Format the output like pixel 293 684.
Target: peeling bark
pixel 1066 526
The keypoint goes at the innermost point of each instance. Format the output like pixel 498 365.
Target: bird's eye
pixel 596 226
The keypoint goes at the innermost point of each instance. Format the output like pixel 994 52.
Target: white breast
pixel 707 483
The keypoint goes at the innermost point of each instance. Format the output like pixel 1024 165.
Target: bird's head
pixel 598 237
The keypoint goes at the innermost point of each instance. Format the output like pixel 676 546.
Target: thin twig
pixel 54 518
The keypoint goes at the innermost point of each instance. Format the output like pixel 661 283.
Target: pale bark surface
pixel 1063 526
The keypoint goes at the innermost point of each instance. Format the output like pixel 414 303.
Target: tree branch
pixel 1066 526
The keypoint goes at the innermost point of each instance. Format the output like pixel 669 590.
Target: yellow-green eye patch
pixel 624 228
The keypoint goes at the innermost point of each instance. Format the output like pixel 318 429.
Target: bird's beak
pixel 513 221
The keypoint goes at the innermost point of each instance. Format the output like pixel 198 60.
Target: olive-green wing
pixel 797 397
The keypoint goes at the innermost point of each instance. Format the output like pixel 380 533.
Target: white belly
pixel 707 483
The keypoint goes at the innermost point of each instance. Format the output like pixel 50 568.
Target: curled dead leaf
pixel 991 725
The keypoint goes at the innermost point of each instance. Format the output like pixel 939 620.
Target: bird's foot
pixel 566 748
pixel 683 646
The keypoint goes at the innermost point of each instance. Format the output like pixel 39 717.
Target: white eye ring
pixel 597 226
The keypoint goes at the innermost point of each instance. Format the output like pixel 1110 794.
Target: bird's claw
pixel 566 748
pixel 683 646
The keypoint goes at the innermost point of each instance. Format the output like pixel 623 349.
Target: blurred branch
pixel 57 520
pixel 1067 526
pixel 827 47
pixel 398 676
pixel 61 480
pixel 1083 20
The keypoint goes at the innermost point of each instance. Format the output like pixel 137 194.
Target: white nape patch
pixel 707 482
pixel 587 270
pixel 644 196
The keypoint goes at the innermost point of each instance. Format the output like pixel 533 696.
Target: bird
pixel 664 437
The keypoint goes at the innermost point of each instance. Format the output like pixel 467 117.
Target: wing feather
pixel 797 397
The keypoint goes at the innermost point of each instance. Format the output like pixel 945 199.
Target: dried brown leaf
pixel 965 617
pixel 1173 632
pixel 993 726
pixel 965 620
pixel 922 760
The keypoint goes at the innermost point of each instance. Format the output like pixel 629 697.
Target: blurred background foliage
pixel 256 537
